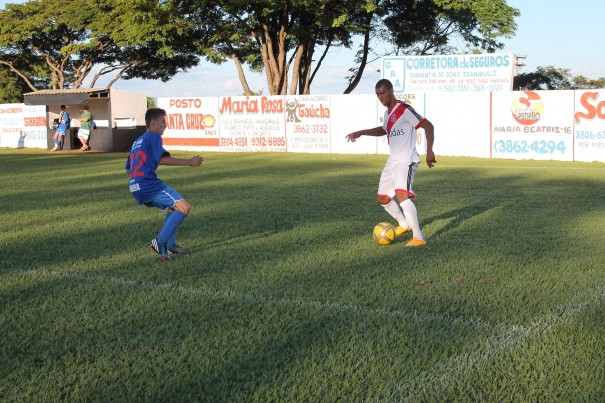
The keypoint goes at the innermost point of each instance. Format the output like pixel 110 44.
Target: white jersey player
pixel 400 124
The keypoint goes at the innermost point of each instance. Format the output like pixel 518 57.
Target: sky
pixel 555 33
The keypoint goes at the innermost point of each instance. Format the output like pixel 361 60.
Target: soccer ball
pixel 383 233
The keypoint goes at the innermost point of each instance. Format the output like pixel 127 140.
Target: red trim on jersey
pixel 395 114
pixel 419 123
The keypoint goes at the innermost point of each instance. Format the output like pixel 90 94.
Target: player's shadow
pixel 455 218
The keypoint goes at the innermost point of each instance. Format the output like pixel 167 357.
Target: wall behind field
pixel 541 125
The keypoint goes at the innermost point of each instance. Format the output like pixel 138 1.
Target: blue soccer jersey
pixel 63 126
pixel 142 163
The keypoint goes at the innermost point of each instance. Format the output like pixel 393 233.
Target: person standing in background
pixel 85 127
pixel 63 121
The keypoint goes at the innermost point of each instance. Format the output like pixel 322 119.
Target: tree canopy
pixel 11 88
pixel 56 43
pixel 283 36
pixel 553 78
pixel 60 43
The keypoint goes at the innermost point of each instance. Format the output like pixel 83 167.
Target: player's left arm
pixel 193 161
pixel 429 131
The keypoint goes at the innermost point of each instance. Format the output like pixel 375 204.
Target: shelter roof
pixel 64 97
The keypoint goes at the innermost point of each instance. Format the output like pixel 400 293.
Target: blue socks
pixel 168 233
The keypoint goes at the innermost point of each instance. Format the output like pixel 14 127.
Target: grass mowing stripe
pixel 236 296
pixel 435 384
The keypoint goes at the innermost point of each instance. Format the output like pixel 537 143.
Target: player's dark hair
pixel 384 83
pixel 153 114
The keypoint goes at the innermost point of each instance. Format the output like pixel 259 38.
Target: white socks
pixel 393 209
pixel 411 214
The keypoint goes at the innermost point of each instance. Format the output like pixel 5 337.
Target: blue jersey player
pixel 63 122
pixel 146 154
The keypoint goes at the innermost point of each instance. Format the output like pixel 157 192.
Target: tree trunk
pixel 274 53
pixel 296 69
pixel 318 64
pixel 305 88
pixel 241 75
pixel 17 72
pixel 116 78
pixel 362 64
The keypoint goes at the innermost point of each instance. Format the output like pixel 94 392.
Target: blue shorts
pixel 61 131
pixel 166 199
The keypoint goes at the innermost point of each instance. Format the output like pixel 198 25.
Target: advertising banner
pixel 308 119
pixel 34 134
pixel 191 123
pixel 351 113
pixel 589 126
pixel 532 125
pixel 461 123
pixel 11 125
pixel 451 73
pixel 252 123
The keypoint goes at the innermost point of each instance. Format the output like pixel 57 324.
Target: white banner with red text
pixel 538 125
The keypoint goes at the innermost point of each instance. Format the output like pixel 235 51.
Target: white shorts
pixel 84 133
pixel 397 175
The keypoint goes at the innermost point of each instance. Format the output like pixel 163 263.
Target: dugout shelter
pixel 119 115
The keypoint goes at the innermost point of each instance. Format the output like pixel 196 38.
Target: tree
pixel 11 87
pixel 57 43
pixel 275 36
pixel 583 83
pixel 553 78
pixel 281 36
pixel 423 27
pixel 544 78
pixel 61 42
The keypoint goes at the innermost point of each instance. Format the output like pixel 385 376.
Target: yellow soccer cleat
pixel 55 148
pixel 415 242
pixel 399 230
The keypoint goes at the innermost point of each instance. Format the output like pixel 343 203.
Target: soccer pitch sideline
pixel 285 296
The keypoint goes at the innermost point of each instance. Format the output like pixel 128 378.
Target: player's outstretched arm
pixel 194 161
pixel 376 132
pixel 429 131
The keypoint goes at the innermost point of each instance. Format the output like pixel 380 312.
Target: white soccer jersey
pixel 400 124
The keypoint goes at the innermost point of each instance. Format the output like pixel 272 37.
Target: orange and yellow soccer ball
pixel 383 233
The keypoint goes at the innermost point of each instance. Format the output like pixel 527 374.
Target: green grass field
pixel 286 297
